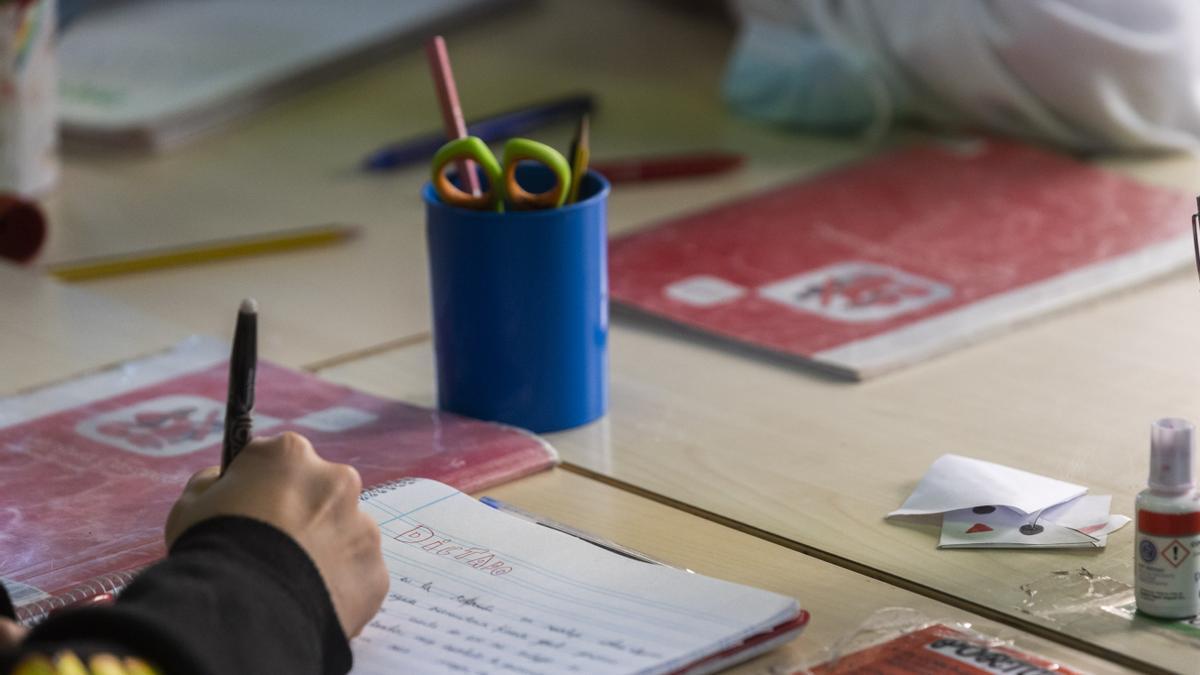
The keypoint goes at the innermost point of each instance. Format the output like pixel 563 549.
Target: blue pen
pixel 495 128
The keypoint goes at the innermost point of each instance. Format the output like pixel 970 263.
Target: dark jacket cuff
pixel 234 595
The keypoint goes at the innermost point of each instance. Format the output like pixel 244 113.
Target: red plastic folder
pixel 911 253
pixel 89 468
pixel 940 649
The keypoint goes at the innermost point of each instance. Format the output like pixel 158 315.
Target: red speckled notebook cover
pixel 87 486
pixel 910 253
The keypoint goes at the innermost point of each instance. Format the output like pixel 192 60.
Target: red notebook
pixel 939 649
pixel 90 468
pixel 892 260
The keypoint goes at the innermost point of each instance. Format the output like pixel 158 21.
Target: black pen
pixel 243 362
pixel 7 610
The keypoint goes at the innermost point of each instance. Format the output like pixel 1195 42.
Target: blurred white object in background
pixel 1085 74
pixel 28 94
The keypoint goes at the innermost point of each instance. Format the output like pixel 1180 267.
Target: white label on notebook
pixel 166 426
pixel 704 290
pixel 857 292
pixel 474 590
pixel 335 419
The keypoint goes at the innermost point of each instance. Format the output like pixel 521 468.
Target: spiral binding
pixel 383 488
pixel 36 612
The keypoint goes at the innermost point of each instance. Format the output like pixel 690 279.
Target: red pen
pixel 641 169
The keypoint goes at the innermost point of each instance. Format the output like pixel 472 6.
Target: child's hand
pixel 283 482
pixel 11 633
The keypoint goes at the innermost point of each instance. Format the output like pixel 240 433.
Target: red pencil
pixel 452 116
pixel 640 169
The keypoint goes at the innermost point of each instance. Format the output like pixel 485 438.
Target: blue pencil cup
pixel 520 307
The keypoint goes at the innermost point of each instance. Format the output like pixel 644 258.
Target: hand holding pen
pixel 283 483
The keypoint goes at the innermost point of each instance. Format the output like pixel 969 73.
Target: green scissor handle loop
pixel 519 149
pixel 472 148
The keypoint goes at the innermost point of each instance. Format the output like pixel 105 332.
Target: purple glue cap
pixel 1171 443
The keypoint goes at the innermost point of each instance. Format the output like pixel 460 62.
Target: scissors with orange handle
pixel 502 186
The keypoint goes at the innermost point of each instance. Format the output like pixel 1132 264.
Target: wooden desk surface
pixel 49 331
pixel 839 600
pixel 294 165
pixel 814 462
pixel 818 462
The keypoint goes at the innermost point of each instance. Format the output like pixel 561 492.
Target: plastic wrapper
pixel 900 641
pixel 89 468
pixel 1098 604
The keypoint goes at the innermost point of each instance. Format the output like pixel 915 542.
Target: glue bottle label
pixel 1168 564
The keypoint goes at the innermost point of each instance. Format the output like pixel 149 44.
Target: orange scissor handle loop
pixel 474 149
pixel 520 149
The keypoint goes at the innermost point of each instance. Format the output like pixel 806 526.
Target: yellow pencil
pixel 578 157
pixel 270 242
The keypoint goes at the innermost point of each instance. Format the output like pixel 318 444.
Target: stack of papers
pixel 986 505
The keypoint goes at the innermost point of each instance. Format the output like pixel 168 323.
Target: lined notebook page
pixel 474 590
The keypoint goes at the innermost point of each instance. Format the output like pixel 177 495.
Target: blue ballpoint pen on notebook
pixel 603 543
pixel 497 127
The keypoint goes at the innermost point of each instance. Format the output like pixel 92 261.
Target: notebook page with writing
pixel 474 590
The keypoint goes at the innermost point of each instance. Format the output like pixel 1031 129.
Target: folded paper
pixel 1084 522
pixel 954 483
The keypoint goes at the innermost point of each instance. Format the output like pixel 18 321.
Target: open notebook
pixel 476 590
pixel 90 467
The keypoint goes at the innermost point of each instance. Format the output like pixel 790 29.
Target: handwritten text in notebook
pixel 472 556
pixel 477 591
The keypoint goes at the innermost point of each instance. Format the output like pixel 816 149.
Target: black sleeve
pixel 234 595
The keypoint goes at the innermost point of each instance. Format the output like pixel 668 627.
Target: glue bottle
pixel 1167 555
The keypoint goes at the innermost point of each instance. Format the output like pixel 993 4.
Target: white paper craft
pixel 954 483
pixel 986 505
pixel 1080 523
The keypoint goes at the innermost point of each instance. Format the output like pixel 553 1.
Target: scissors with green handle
pixel 502 182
